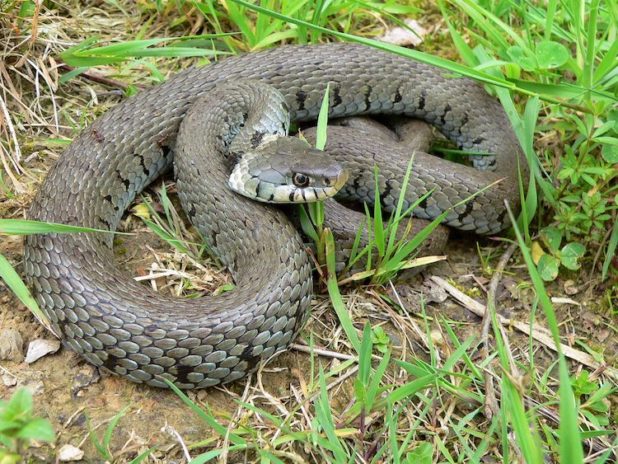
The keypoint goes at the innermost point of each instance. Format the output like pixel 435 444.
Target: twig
pixel 540 334
pixel 417 330
pixel 172 431
pixel 225 446
pixel 321 352
pixel 70 419
pixel 16 157
pixel 100 78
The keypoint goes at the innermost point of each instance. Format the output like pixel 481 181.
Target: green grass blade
pixel 325 420
pixel 109 431
pixel 570 437
pixel 610 252
pixel 364 356
pixel 378 223
pixel 411 388
pixel 210 455
pixel 206 417
pixel 322 128
pixel 28 227
pixel 376 379
pixel 19 288
pixel 397 216
pixel 335 294
pixel 307 224
pixel 513 406
pixel 142 456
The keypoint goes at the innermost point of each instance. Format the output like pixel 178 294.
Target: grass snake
pixel 118 324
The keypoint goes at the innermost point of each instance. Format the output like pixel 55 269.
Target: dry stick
pixel 5 119
pixel 235 419
pixel 491 403
pixel 541 334
pixel 174 433
pixel 99 78
pixel 321 352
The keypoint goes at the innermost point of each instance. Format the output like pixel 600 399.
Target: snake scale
pixel 118 324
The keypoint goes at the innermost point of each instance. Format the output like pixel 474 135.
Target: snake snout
pixel 314 176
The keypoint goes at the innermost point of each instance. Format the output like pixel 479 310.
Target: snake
pixel 125 328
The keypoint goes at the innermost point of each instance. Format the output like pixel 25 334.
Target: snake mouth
pixel 340 181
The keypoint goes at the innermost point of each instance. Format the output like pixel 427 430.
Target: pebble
pixel 11 346
pixel 68 453
pixel 86 376
pixel 35 387
pixel 41 347
pixel 413 34
pixel 9 380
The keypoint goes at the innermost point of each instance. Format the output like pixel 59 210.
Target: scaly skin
pixel 118 324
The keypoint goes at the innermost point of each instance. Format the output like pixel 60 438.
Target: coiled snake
pixel 118 324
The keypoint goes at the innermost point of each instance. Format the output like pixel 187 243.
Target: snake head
pixel 287 170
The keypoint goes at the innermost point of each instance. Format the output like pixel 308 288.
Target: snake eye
pixel 300 180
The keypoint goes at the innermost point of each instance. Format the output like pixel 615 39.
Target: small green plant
pixel 593 400
pixel 548 263
pixel 19 426
pixel 582 211
pixel 380 339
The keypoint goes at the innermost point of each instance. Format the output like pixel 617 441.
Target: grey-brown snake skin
pixel 118 324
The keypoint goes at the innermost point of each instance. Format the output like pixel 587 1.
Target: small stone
pixel 41 347
pixel 9 380
pixel 434 293
pixel 32 381
pixel 86 376
pixel 35 387
pixel 570 288
pixel 11 346
pixel 602 335
pixel 412 35
pixel 68 453
pixel 437 338
pixel 201 395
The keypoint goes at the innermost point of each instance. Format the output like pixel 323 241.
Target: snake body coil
pixel 118 324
